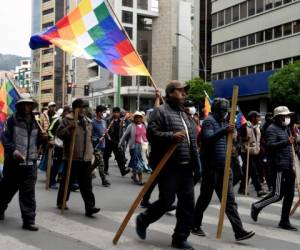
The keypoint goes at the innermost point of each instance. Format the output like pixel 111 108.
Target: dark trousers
pixel 57 161
pixel 22 179
pixel 177 181
pixel 253 172
pixel 212 180
pixel 81 171
pixel 118 153
pixel 283 187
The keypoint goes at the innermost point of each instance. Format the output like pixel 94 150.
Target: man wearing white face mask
pixel 279 143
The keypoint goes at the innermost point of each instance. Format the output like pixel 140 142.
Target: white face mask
pixel 104 115
pixel 108 112
pixel 287 121
pixel 192 110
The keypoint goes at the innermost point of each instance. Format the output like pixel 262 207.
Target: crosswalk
pixel 93 235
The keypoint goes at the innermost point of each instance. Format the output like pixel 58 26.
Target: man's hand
pixel 291 140
pixel 157 94
pixel 230 128
pixel 18 156
pixel 51 143
pixel 179 136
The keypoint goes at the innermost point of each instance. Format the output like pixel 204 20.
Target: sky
pixel 15 27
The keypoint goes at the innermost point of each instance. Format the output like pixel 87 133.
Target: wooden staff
pixel 227 163
pixel 296 166
pixel 71 152
pixel 247 169
pixel 140 196
pixel 49 164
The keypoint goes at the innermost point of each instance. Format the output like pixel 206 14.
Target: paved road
pixel 73 231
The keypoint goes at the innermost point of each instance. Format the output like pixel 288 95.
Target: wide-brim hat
pixel 26 98
pixel 50 104
pixel 174 84
pixel 282 110
pixel 137 113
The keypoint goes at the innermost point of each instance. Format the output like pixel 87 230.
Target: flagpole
pixel 125 32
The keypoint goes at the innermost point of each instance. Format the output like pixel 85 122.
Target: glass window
pixel 235 73
pixel 259 68
pixel 259 37
pixel 47 51
pixel 47 25
pixel 269 4
pixel 296 59
pixel 127 3
pixel 214 49
pixel 235 43
pixel 278 31
pixel 278 64
pixel 251 39
pixel 251 70
pixel 129 31
pixel 243 41
pixel 268 66
pixel 48 11
pixel 259 6
pixel 221 76
pixel 228 46
pixel 235 13
pixel 214 21
pixel 243 71
pixel 214 77
pixel 296 26
pixel 228 16
pixel 277 3
pixel 287 1
pixel 221 18
pixel 269 34
pixel 286 61
pixel 228 74
pixel 126 80
pixel 221 48
pixel 251 7
pixel 127 16
pixel 287 29
pixel 142 4
pixel 243 10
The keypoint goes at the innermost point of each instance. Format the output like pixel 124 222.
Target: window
pixel 221 18
pixel 144 46
pixel 47 25
pixel 269 34
pixel 45 78
pixel 228 16
pixel 269 4
pixel 214 21
pixel 126 80
pixel 221 76
pixel 48 11
pixel 127 3
pixel 243 10
pixel 47 64
pixel 259 37
pixel 214 77
pixel 268 66
pixel 235 73
pixel 243 41
pixel 251 70
pixel 47 51
pixel 142 4
pixel 235 43
pixel 277 3
pixel 228 74
pixel 129 31
pixel 277 64
pixel 259 68
pixel 296 26
pixel 45 1
pixel 278 31
pixel 259 6
pixel 243 71
pixel 221 48
pixel 251 39
pixel 296 58
pixel 251 7
pixel 127 17
pixel 214 49
pixel 235 13
pixel 47 91
pixel 228 46
pixel 286 61
pixel 287 1
pixel 287 29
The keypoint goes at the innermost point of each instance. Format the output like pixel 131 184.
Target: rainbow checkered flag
pixel 91 32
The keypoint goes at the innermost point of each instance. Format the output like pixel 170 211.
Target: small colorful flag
pixel 240 119
pixel 207 106
pixel 90 31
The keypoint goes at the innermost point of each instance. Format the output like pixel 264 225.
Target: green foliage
pixel 285 84
pixel 197 88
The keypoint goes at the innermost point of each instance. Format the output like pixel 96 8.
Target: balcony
pixel 47 71
pixel 48 5
pixel 48 18
pixel 47 58
pixel 48 84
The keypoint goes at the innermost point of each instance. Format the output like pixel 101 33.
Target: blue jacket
pixel 99 127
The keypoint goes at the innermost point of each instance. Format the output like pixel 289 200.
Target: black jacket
pixel 164 122
pixel 279 148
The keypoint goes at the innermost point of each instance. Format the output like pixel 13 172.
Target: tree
pixel 197 88
pixel 285 85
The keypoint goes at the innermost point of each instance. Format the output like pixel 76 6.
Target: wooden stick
pixel 49 165
pixel 295 207
pixel 140 196
pixel 247 169
pixel 227 163
pixel 125 32
pixel 72 145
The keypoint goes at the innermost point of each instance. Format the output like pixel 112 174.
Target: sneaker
pixel 30 227
pixel 261 193
pixel 287 226
pixel 244 235
pixel 198 231
pixel 90 212
pixel 184 244
pixel 254 212
pixel 145 204
pixel 140 227
pixel 125 171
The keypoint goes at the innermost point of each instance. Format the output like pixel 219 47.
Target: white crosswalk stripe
pixel 11 243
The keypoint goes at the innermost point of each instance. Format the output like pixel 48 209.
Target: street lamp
pixel 195 48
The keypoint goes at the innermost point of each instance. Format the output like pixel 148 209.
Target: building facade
pixel 22 76
pixel 250 40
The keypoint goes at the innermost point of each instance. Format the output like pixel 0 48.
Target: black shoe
pixel 261 193
pixel 105 183
pixel 172 208
pixel 287 226
pixel 30 227
pixel 254 212
pixel 198 231
pixel 2 216
pixel 244 235
pixel 60 206
pixel 184 244
pixel 145 204
pixel 125 171
pixel 140 227
pixel 90 212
